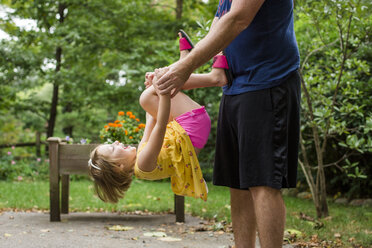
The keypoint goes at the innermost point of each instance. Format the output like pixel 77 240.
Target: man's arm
pixel 222 33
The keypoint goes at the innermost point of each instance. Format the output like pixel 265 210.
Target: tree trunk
pixel 318 189
pixel 58 56
pixel 323 194
pixel 38 144
pixel 53 108
pixel 67 130
pixel 179 9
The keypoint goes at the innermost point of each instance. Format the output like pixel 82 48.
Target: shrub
pixel 12 168
pixel 127 129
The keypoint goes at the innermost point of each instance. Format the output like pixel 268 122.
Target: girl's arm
pixel 148 157
pixel 150 123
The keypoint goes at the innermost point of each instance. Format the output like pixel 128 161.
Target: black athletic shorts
pixel 257 137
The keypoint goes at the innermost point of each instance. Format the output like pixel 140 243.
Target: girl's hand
pixel 149 76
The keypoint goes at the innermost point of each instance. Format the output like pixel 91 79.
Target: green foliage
pixel 103 58
pixel 334 42
pixel 24 169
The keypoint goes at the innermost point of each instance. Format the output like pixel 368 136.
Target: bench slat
pixel 73 158
pixel 75 151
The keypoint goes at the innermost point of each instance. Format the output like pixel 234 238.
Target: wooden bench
pixel 66 159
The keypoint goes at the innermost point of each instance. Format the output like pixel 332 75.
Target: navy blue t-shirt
pixel 263 54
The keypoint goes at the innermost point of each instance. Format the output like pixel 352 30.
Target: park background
pixel 68 67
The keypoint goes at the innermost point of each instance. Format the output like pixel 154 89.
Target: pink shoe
pixel 220 61
pixel 185 42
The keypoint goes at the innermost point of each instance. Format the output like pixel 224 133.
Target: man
pixel 258 126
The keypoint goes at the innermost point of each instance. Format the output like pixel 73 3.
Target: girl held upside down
pixel 176 130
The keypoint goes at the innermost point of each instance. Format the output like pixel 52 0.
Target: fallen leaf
pixel 155 234
pixel 119 228
pixel 337 235
pixel 44 230
pixel 7 235
pixel 201 229
pixel 294 232
pixel 352 239
pixel 218 226
pixel 169 239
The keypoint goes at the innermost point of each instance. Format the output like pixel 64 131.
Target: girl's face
pixel 125 156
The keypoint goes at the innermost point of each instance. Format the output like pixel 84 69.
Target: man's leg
pixel 243 218
pixel 270 216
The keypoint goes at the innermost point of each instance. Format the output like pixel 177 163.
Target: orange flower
pixel 119 125
pixel 121 113
pixel 132 117
pixel 106 126
pixel 117 121
pixel 137 119
pixel 111 124
pixel 126 132
pixel 130 137
pixel 136 130
pixel 129 113
pixel 141 125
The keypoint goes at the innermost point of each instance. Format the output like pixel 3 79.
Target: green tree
pixel 331 34
pixel 96 53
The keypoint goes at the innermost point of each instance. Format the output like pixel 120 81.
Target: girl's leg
pixel 215 78
pixel 180 104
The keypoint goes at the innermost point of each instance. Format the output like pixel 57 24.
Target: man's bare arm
pixel 223 31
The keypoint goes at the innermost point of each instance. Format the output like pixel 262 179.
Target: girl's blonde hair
pixel 110 181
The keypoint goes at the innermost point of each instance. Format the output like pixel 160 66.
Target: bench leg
pixel 54 195
pixel 54 199
pixel 65 193
pixel 179 208
pixel 54 181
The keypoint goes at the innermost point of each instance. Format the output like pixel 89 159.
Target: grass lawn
pixel 353 224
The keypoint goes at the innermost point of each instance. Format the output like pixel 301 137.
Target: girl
pixel 176 131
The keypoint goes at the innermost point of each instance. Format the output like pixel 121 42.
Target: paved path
pixel 90 230
pixel 34 230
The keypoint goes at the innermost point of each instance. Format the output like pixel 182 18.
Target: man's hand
pixel 158 73
pixel 174 78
